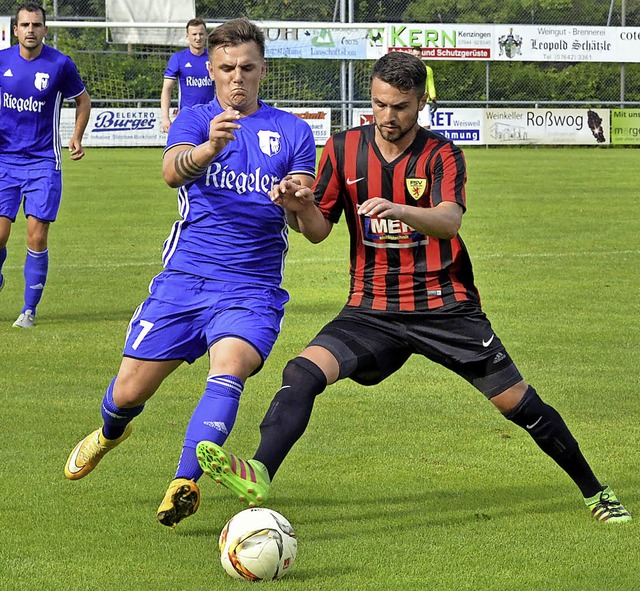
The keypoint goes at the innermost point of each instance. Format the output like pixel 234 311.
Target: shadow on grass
pixel 441 508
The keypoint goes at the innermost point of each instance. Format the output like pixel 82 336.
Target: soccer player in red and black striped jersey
pixel 401 189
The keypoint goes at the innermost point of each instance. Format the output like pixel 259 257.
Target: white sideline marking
pixel 550 255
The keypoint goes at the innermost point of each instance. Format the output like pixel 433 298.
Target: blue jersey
pixel 32 94
pixel 195 87
pixel 230 230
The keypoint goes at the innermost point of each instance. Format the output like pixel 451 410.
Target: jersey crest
pixel 269 142
pixel 416 187
pixel 42 81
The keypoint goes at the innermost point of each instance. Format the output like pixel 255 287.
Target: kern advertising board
pixel 461 125
pixel 546 126
pixel 545 43
pixel 625 126
pixel 442 41
pixel 143 127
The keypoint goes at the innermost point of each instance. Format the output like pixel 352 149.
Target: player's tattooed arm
pixel 186 166
pixel 184 162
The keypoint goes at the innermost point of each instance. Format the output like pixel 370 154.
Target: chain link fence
pixel 132 75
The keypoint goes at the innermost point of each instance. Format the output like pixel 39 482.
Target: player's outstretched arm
pixel 284 194
pixel 302 214
pixel 184 163
pixel 83 110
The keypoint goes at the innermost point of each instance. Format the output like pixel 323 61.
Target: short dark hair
pixel 196 22
pixel 401 70
pixel 32 7
pixel 236 32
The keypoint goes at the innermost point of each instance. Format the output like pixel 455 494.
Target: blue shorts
pixel 39 188
pixel 184 315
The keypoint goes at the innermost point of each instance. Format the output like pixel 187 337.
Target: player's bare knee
pixel 37 234
pixel 129 391
pixel 511 397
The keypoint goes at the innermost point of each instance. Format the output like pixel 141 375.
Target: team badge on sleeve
pixel 416 187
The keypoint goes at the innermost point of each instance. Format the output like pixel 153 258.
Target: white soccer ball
pixel 257 544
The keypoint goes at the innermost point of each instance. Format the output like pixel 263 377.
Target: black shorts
pixel 370 345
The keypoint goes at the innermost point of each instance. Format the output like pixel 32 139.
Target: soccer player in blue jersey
pixel 190 69
pixel 221 289
pixel 34 80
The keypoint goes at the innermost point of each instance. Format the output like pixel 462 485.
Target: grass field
pixel 415 484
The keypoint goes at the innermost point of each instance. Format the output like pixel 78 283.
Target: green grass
pixel 415 484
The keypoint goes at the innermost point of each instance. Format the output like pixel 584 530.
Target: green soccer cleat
pixel 606 507
pixel 181 500
pixel 89 451
pixel 247 479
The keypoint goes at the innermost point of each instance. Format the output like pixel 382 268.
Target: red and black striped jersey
pixel 394 267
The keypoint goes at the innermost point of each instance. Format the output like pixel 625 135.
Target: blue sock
pixel 36 267
pixel 212 420
pixel 115 418
pixel 3 257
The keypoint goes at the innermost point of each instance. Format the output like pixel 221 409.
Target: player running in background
pixel 430 88
pixel 402 191
pixel 34 80
pixel 221 289
pixel 190 68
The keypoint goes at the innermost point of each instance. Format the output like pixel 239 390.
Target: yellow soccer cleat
pixel 181 500
pixel 90 451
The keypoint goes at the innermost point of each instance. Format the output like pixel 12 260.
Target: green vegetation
pixel 414 484
pixel 134 73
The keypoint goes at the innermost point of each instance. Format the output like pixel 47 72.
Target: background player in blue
pixel 190 68
pixel 220 290
pixel 34 79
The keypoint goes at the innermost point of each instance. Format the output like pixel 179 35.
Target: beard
pixel 397 134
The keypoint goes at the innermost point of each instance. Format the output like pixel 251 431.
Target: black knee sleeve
pixel 301 370
pixel 544 424
pixel 302 381
pixel 289 412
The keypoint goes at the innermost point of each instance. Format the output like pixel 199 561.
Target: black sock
pixel 289 412
pixel 552 435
